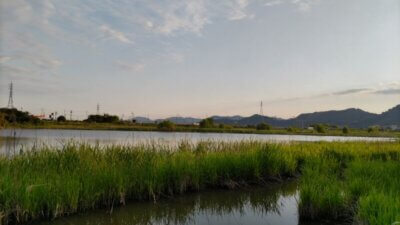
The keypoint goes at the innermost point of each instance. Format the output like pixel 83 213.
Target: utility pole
pixel 10 97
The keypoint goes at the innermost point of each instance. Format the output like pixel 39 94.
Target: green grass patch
pixel 357 181
pixel 358 184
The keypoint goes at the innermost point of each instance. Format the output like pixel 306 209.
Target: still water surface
pixel 273 204
pixel 16 139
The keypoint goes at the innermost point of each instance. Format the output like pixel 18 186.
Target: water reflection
pixel 270 205
pixel 14 141
pixel 275 204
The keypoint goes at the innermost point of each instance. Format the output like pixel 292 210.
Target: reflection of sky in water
pixel 27 138
pixel 275 204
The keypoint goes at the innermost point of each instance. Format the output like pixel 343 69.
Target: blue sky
pixel 200 57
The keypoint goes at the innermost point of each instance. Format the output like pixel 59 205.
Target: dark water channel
pixel 271 204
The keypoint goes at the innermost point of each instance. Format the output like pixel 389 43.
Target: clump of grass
pixel 379 208
pixel 322 195
pixel 51 183
pixel 358 183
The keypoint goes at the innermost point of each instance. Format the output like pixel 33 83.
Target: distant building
pixel 310 128
pixel 42 116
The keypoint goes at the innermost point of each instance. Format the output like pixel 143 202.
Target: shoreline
pixel 186 129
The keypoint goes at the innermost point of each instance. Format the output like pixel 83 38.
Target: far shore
pixel 120 126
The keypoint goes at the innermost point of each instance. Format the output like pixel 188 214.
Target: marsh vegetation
pixel 356 181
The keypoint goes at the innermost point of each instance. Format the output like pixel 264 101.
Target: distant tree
pixel 16 116
pixel 319 128
pixel 166 125
pixel 251 126
pixel 373 129
pixel 2 120
pixel 207 123
pixel 102 118
pixel 11 118
pixel 225 126
pixel 292 129
pixel 263 126
pixel 61 119
pixel 345 130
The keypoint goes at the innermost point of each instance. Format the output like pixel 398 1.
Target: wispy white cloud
pixel 383 88
pixel 188 15
pixel 130 67
pixel 7 70
pixel 304 5
pixel 176 57
pixel 53 17
pixel 21 48
pixel 392 88
pixel 111 33
pixel 85 21
pixel 389 91
pixel 4 59
pixel 238 10
pixel 352 91
pixel 273 2
pixel 28 54
pixel 300 5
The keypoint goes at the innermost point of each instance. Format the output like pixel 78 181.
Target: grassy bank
pixel 361 184
pixel 340 180
pixel 79 125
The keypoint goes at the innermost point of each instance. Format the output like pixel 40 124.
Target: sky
pixel 200 57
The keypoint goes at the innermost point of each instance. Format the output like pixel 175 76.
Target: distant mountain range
pixel 352 117
pixel 177 120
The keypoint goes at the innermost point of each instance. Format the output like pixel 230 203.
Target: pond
pixel 16 139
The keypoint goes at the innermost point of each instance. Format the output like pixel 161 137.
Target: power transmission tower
pixel 10 98
pixel 70 115
pixel 98 109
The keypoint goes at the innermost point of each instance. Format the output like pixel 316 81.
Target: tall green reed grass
pixel 360 184
pixel 53 182
pixel 358 180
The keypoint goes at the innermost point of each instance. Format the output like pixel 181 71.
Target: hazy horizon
pixel 200 58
